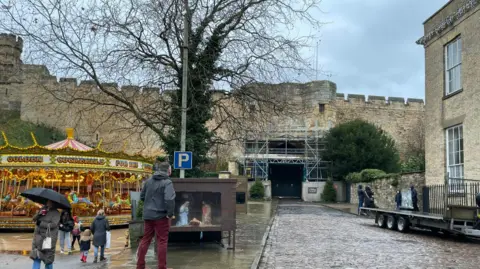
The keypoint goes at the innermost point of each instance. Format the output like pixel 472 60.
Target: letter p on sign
pixel 182 160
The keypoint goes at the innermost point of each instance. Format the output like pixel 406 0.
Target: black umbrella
pixel 42 195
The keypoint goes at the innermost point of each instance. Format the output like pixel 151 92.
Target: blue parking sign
pixel 182 160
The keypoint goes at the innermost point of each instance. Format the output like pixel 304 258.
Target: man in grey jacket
pixel 158 198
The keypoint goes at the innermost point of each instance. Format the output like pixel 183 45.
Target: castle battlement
pixel 382 101
pixel 11 41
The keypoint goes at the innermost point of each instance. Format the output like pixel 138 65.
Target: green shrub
pixel 329 192
pixel 354 177
pixel 139 212
pixel 357 145
pixel 257 191
pixel 370 175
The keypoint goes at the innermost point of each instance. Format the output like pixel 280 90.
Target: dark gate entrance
pixel 286 179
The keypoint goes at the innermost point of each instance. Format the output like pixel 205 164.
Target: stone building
pixel 452 92
pixel 279 140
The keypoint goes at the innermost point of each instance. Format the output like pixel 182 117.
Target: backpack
pixel 76 230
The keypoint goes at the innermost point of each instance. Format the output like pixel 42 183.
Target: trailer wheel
pixel 403 224
pixel 391 222
pixel 382 221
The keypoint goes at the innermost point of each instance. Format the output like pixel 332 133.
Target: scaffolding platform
pixel 300 145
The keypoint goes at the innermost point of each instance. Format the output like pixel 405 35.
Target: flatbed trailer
pixel 457 220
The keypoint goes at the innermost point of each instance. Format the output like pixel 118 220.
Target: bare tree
pixel 234 44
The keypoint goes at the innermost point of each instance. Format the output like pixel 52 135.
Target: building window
pixel 453 66
pixel 455 155
pixel 321 108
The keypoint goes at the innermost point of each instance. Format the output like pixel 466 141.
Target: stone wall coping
pixel 387 100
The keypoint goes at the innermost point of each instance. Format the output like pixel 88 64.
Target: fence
pixel 455 191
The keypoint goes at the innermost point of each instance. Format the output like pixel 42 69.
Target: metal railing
pixel 455 191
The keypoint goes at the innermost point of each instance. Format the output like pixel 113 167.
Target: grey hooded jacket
pixel 158 197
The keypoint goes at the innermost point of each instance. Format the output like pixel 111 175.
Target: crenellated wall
pixel 28 88
pixel 399 117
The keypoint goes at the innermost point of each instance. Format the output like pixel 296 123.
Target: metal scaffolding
pixel 299 145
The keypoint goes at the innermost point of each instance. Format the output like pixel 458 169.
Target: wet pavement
pixel 250 231
pixel 314 236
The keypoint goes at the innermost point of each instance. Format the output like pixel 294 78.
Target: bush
pixel 354 177
pixel 257 191
pixel 370 175
pixel 329 192
pixel 139 212
pixel 357 145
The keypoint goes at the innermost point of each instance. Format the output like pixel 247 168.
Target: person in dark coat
pixel 361 197
pixel 99 229
pixel 414 198
pixel 158 196
pixel 48 218
pixel 398 200
pixel 65 230
pixel 369 199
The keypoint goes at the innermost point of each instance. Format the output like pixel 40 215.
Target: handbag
pixel 109 237
pixel 47 242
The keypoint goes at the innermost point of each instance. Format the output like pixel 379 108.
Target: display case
pixel 204 204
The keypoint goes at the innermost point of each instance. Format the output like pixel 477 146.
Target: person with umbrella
pixel 47 222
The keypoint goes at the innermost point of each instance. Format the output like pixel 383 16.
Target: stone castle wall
pixel 402 120
pixel 29 90
pixel 384 190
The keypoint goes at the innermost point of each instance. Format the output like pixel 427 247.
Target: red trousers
pixel 159 228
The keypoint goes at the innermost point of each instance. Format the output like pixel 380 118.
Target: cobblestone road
pixel 312 236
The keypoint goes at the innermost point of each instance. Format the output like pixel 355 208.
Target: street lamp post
pixel 183 134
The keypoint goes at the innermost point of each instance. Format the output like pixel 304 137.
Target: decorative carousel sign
pixel 94 161
pixel 130 165
pixel 73 161
pixel 126 164
pixel 24 159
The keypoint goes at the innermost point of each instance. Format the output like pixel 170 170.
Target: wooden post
pixel 1 191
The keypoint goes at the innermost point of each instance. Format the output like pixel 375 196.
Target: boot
pixel 81 257
pixel 102 258
pixel 84 259
pixel 95 260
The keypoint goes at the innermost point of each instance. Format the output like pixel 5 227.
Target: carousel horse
pixel 25 207
pixel 104 202
pixel 8 203
pixel 73 199
pixel 121 201
pixel 81 205
pixel 121 204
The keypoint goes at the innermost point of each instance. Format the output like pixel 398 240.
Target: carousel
pixel 90 178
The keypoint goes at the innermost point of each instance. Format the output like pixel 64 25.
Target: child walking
pixel 85 242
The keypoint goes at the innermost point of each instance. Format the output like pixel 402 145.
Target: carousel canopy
pixel 70 155
pixel 70 142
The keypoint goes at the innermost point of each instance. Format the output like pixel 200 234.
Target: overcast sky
pixel 369 46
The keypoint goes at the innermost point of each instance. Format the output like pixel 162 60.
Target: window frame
pixel 448 91
pixel 460 150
